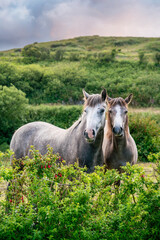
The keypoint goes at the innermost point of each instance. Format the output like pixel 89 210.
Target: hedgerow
pixel 50 200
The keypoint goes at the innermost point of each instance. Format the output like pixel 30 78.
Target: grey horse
pixel 82 141
pixel 118 146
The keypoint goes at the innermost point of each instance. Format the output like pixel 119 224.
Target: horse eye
pixel 126 111
pixel 110 110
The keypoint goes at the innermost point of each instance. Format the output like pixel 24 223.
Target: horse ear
pixel 108 99
pixel 85 94
pixel 129 98
pixel 103 94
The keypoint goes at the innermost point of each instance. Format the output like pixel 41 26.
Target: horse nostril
pixel 85 134
pixel 114 130
pixel 93 132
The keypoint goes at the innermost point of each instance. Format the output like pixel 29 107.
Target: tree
pixel 35 53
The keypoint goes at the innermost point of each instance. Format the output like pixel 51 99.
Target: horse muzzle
pixel 118 131
pixel 89 135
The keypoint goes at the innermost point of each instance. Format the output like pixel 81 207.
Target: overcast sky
pixel 26 21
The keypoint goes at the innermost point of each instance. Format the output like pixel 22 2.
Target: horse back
pixel 25 136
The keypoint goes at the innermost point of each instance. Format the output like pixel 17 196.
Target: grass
pixel 127 48
pixel 145 110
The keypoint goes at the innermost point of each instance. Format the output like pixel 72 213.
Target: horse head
pixel 94 113
pixel 117 114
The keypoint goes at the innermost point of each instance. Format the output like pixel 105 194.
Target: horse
pixel 82 141
pixel 118 145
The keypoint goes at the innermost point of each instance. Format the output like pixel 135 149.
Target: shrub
pixel 54 201
pixel 34 53
pixel 65 83
pixel 105 57
pixel 61 116
pixel 157 58
pixel 146 133
pixel 13 110
pixel 142 58
pixel 74 57
pixel 59 54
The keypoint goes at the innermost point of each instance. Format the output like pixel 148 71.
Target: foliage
pixel 146 133
pixel 61 116
pixel 49 83
pixel 104 57
pixel 13 109
pixel 142 58
pixel 53 201
pixel 65 83
pixel 59 54
pixel 33 53
pixel 157 58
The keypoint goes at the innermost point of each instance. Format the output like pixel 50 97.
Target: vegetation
pixel 56 72
pixel 49 200
pixel 13 110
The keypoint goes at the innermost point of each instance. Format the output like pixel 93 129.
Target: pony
pixel 82 141
pixel 118 145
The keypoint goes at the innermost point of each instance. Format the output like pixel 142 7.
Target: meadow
pixel 44 81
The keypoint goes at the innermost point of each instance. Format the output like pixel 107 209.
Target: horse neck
pixel 78 128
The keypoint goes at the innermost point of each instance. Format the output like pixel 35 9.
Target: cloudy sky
pixel 27 21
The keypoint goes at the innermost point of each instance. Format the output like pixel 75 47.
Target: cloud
pixel 23 22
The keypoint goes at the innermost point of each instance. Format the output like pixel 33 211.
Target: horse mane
pixel 75 124
pixel 93 100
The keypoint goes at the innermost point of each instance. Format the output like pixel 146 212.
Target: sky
pixel 26 21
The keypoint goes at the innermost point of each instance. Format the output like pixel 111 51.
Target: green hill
pixel 56 72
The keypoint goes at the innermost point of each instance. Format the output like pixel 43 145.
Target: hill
pixel 56 72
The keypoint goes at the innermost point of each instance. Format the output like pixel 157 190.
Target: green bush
pixel 34 53
pixel 146 133
pixel 157 58
pixel 13 111
pixel 61 116
pixel 142 58
pixel 49 200
pixel 63 81
pixel 59 54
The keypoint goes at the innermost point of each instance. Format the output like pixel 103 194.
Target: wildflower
pixel 22 199
pixel 49 166
pixel 55 175
pixel 60 174
pixel 45 166
pixel 10 200
pixel 41 166
pixel 142 176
